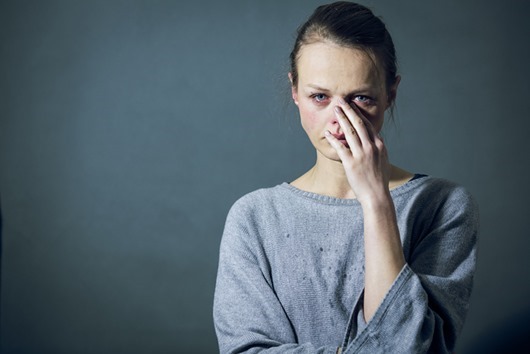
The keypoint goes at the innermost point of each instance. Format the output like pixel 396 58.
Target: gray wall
pixel 128 128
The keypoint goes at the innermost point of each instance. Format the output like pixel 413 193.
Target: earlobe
pixel 294 92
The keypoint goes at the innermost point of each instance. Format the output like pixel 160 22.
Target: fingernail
pixel 341 100
pixel 337 109
pixel 327 133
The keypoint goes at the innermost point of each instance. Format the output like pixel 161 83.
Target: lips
pixel 341 138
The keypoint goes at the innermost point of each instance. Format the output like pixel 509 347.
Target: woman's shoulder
pixel 258 200
pixel 252 214
pixel 258 196
pixel 435 193
pixel 436 187
pixel 417 185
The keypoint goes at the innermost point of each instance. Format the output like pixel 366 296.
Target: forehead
pixel 338 68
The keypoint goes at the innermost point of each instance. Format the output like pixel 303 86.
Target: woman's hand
pixel 365 159
pixel 366 165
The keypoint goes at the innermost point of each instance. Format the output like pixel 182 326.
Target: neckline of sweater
pixel 413 182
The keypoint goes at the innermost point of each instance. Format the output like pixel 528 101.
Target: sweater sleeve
pixel 424 309
pixel 248 316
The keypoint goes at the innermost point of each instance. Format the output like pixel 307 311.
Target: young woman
pixel 356 255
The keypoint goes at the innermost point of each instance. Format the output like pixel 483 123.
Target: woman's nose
pixel 334 103
pixel 332 115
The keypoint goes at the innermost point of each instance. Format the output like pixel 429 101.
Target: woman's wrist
pixel 377 202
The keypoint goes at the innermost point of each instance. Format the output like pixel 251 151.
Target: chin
pixel 335 158
pixel 329 153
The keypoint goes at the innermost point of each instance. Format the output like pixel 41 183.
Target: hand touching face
pixel 327 73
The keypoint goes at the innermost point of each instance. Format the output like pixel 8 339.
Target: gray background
pixel 128 128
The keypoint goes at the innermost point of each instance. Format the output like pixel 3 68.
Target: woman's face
pixel 326 72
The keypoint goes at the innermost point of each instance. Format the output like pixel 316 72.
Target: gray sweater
pixel 291 273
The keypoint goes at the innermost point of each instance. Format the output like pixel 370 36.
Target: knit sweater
pixel 291 273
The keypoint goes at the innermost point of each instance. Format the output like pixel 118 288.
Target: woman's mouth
pixel 341 138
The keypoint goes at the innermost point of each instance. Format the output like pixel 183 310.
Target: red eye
pixel 363 99
pixel 319 97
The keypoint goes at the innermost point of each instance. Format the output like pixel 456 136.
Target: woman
pixel 356 255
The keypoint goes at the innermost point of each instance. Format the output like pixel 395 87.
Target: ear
pixel 294 91
pixel 392 93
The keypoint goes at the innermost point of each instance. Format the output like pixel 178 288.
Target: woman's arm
pixel 425 307
pixel 383 252
pixel 366 165
pixel 418 305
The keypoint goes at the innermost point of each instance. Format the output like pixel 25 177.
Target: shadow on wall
pixel 509 337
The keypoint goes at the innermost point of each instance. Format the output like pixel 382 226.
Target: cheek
pixel 379 120
pixel 378 126
pixel 309 118
pixel 375 115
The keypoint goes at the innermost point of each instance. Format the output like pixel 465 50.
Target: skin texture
pixel 342 98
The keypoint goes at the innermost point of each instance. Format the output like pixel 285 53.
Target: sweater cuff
pixel 359 330
pixel 405 273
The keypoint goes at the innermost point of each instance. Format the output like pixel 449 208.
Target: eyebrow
pixel 322 89
pixel 316 87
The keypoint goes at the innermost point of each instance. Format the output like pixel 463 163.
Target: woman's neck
pixel 327 177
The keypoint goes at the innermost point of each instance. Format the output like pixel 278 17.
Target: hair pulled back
pixel 351 25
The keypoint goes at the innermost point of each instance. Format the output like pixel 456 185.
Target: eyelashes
pixel 319 97
pixel 364 99
pixel 322 98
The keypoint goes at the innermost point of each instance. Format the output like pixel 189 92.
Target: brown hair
pixel 351 25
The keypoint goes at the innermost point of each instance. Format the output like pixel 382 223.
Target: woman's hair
pixel 350 25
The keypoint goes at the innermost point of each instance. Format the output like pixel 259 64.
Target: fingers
pixel 359 132
pixel 348 130
pixel 362 126
pixel 343 152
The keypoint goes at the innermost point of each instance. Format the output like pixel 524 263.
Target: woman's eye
pixel 363 99
pixel 319 97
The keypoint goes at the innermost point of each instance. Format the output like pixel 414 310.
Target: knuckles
pixel 379 144
pixel 369 149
